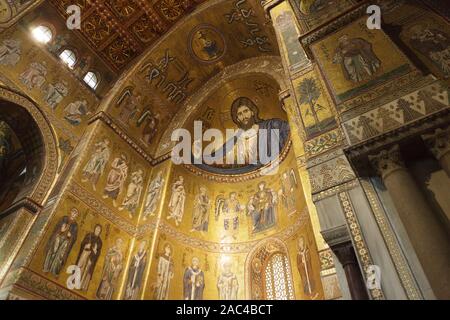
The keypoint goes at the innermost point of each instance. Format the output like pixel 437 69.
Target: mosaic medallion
pixel 206 44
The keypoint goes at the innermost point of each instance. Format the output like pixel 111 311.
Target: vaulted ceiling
pixel 120 30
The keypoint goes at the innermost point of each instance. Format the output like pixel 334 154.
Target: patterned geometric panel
pixel 330 174
pixel 120 30
pixel 397 113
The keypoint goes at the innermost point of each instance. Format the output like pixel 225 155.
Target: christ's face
pixel 245 116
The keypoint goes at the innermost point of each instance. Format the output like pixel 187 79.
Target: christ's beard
pixel 246 126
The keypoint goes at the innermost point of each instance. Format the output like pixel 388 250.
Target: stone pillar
pixel 346 255
pixel 439 144
pixel 426 234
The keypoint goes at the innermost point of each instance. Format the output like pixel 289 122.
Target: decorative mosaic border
pixel 335 190
pixel 224 248
pixel 358 241
pixel 326 260
pixel 332 26
pixel 379 91
pixel 332 173
pixel 324 143
pixel 44 287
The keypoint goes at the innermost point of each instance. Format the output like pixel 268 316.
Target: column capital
pixel 438 142
pixel 387 161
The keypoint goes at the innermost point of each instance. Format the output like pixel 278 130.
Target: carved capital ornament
pixel 438 142
pixel 387 161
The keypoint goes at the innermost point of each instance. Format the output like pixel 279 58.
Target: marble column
pixel 426 233
pixel 346 255
pixel 439 144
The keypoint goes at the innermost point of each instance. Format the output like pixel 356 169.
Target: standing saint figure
pixel 202 204
pixel 287 191
pixel 164 273
pixel 116 178
pixel 304 266
pixel 96 165
pixel 136 272
pixel 10 52
pixel 153 195
pixel 193 281
pixel 60 243
pixel 177 199
pixel 262 208
pixel 90 250
pixel 111 271
pixel 134 191
pixel 227 283
pixel 357 59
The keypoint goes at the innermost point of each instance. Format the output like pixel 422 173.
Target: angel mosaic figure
pixel 230 209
